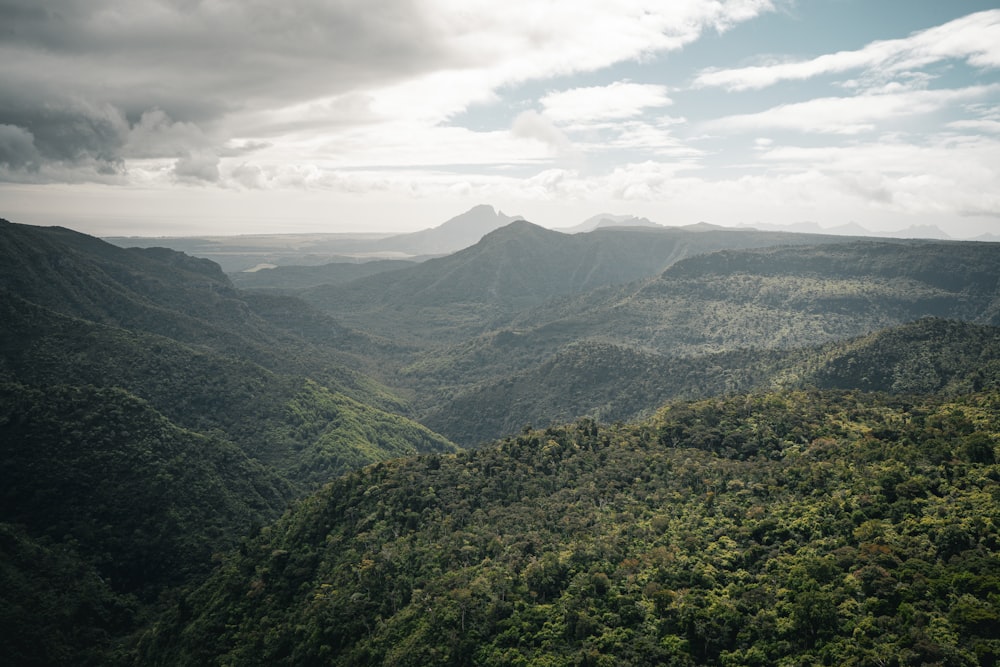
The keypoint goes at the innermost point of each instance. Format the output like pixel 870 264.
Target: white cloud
pixel 533 125
pixel 654 137
pixel 981 125
pixel 974 38
pixel 193 76
pixel 197 168
pixel 616 101
pixel 524 39
pixel 249 176
pixel 953 174
pixel 850 115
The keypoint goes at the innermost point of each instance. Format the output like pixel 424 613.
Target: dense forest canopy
pixel 792 528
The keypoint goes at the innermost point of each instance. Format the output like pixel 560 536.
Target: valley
pixel 628 445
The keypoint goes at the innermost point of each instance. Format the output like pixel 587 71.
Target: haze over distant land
pixel 153 118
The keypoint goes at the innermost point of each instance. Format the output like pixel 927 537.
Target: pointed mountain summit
pixel 452 235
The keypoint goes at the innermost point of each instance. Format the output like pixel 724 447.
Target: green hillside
pixel 147 501
pixel 787 297
pixel 602 381
pixel 208 392
pixel 568 355
pixel 212 359
pixel 105 506
pixel 151 415
pixel 166 293
pixel 155 421
pixel 792 528
pixel 929 356
pixel 610 383
pixel 515 268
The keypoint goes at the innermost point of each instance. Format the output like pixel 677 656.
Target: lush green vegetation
pixel 611 383
pixel 789 528
pixel 151 416
pixel 147 501
pixel 55 609
pixel 223 363
pixel 104 505
pixel 209 392
pixel 155 421
pixel 516 268
pixel 501 318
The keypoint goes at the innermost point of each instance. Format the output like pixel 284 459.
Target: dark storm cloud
pixel 71 132
pixel 78 76
pixel 17 148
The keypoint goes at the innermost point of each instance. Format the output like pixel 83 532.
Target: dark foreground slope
pixel 150 416
pixel 799 528
pixel 104 504
pixel 148 501
pixel 173 331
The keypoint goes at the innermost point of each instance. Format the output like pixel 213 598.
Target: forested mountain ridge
pixel 789 296
pixel 950 265
pixel 84 277
pixel 163 292
pixel 150 415
pixel 104 505
pixel 804 527
pixel 143 374
pixel 752 300
pixel 131 318
pixel 611 382
pixel 515 268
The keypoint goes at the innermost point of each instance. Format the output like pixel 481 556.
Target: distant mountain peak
pixel 481 216
pixel 518 228
pixel 461 231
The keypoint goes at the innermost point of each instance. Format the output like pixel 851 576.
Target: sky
pixel 183 117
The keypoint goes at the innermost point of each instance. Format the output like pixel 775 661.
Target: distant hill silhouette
pixel 607 220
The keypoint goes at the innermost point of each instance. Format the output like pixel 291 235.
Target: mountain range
pixel 261 253
pixel 634 444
